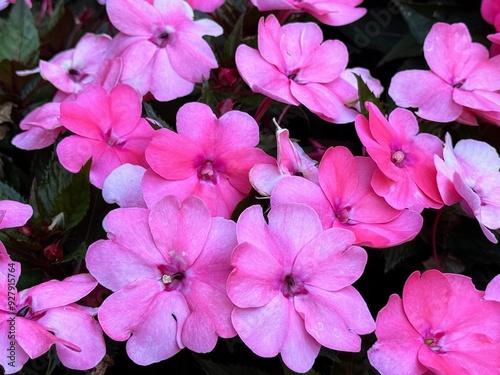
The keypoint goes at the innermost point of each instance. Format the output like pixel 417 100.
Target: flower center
pixel 163 37
pixel 398 158
pixel 169 279
pixel 76 75
pixel 435 343
pixel 207 172
pixel 343 215
pixel 112 139
pixel 291 286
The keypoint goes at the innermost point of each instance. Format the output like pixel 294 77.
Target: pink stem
pixel 263 107
pixel 283 113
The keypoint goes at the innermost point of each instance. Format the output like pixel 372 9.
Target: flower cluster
pixel 223 224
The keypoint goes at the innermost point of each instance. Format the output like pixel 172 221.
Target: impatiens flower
pixel 205 5
pixel 406 177
pixel 162 47
pixel 490 10
pixel 292 286
pixel 169 270
pixel 441 325
pixel 345 199
pixel 207 157
pixel 41 127
pixel 330 12
pixel 462 78
pixel 295 66
pixel 71 70
pixel 469 174
pixel 291 161
pixel 108 128
pixel 33 320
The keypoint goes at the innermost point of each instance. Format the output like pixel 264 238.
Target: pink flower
pixel 292 286
pixel 345 199
pixel 123 186
pixel 44 315
pixel 442 325
pixel 71 70
pixel 291 161
pixel 108 128
pixel 469 174
pixel 330 12
pixel 162 48
pixel 207 157
pixel 170 266
pixel 373 84
pixel 406 177
pixel 293 65
pixel 462 78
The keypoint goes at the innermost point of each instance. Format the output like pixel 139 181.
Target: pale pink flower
pixel 46 315
pixel 469 174
pixel 70 71
pixel 295 66
pixel 207 157
pixel 492 292
pixel 330 12
pixel 292 286
pixel 291 160
pixel 406 177
pixel 162 47
pixel 441 325
pixel 108 128
pixel 123 186
pixel 169 270
pixel 345 199
pixel 462 78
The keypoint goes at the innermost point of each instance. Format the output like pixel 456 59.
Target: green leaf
pixel 31 275
pixel 418 23
pixel 151 113
pixel 19 37
pixel 234 39
pixel 394 255
pixel 77 254
pixel 6 192
pixel 405 47
pixel 73 201
pixel 366 95
pixel 207 96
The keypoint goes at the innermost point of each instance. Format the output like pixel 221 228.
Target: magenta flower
pixel 291 161
pixel 205 5
pixel 207 157
pixel 406 177
pixel 345 199
pixel 162 48
pixel 170 266
pixel 293 65
pixel 469 174
pixel 46 315
pixel 108 128
pixel 442 325
pixel 330 12
pixel 462 78
pixel 292 286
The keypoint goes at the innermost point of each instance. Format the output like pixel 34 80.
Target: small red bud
pixel 25 230
pixel 53 252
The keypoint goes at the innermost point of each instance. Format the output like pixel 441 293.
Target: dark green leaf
pixel 30 275
pixel 213 368
pixel 151 113
pixel 207 96
pixel 78 253
pixel 234 39
pixel 394 255
pixel 73 200
pixel 6 192
pixel 405 47
pixel 366 95
pixel 19 37
pixel 418 23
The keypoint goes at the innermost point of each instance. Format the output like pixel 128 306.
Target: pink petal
pixel 14 214
pixel 342 15
pixel 492 291
pixel 18 355
pixel 198 333
pixel 264 178
pixel 264 329
pixel 263 77
pixel 79 328
pixel 269 36
pixel 132 17
pixel 329 321
pixel 36 138
pixel 398 342
pixel 173 156
pixel 299 349
pixel 123 186
pixel 329 261
pixel 430 94
pixel 125 106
